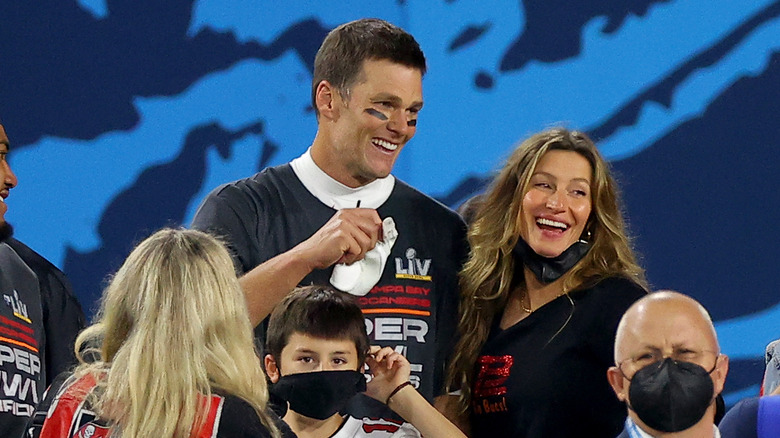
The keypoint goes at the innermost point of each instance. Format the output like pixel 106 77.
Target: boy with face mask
pixel 669 369
pixel 317 346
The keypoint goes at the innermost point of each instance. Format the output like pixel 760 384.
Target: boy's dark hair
pixel 320 312
pixel 340 57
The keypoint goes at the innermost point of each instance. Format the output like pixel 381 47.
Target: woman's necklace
pixel 528 310
pixel 522 306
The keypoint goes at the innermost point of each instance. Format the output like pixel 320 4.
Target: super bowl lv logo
pixel 18 307
pixel 411 267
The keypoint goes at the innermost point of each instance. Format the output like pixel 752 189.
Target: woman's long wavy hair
pixel 172 327
pixel 488 276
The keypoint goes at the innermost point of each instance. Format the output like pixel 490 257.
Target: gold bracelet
pixel 395 391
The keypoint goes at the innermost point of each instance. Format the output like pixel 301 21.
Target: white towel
pixel 358 278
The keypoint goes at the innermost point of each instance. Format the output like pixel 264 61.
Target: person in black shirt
pixel 336 216
pixel 549 275
pixel 39 318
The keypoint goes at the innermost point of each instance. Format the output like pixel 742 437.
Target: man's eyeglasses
pixel 707 359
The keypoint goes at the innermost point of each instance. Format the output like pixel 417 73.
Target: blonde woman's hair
pixel 488 276
pixel 172 325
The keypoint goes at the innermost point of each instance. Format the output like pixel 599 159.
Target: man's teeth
pixel 551 223
pixel 385 144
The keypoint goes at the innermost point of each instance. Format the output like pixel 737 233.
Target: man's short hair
pixel 340 57
pixel 320 312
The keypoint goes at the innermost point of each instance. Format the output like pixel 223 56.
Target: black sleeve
pixel 224 215
pixel 239 420
pixel 615 296
pixel 448 311
pixel 63 320
pixel 63 317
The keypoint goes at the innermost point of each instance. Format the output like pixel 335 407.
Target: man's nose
pixel 399 123
pixel 9 178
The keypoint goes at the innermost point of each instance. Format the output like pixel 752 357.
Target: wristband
pixel 395 391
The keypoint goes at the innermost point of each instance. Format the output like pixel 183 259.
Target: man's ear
pixel 271 368
pixel 719 374
pixel 616 381
pixel 325 98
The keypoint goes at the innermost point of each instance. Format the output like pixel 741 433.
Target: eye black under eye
pixel 378 114
pixel 412 122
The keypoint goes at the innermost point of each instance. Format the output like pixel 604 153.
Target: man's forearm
pixel 268 283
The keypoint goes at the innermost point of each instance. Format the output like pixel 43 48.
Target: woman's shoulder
pixel 603 305
pixel 239 419
pixel 610 296
pixel 618 287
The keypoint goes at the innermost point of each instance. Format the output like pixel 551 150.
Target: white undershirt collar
pixel 335 194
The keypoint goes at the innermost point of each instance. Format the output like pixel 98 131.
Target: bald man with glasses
pixel 668 368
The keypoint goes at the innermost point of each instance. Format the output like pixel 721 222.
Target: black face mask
pixel 671 396
pixel 319 394
pixel 545 269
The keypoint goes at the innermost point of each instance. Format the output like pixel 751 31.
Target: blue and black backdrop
pixel 123 114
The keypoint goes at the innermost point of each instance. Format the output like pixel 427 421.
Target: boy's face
pixel 305 354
